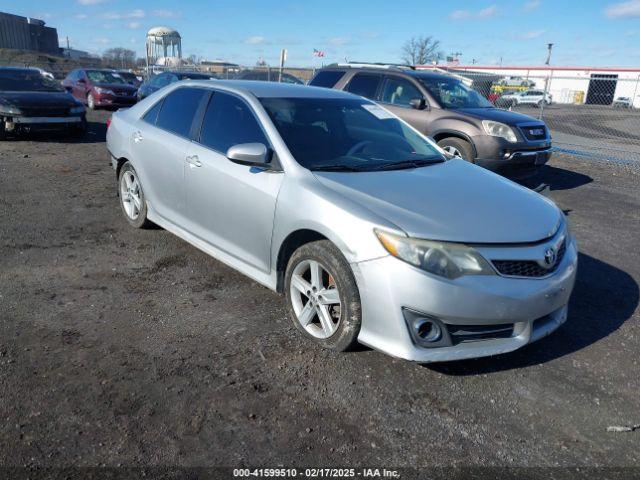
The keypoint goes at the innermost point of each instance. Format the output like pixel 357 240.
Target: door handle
pixel 194 161
pixel 137 137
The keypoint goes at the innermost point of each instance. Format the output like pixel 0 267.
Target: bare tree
pixel 421 50
pixel 119 57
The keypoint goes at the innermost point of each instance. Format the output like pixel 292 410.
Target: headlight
pixel 497 129
pixel 449 260
pixel 104 91
pixel 78 109
pixel 9 110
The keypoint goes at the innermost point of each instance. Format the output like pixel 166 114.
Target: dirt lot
pixel 128 347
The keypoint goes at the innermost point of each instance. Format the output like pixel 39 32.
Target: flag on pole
pixel 318 53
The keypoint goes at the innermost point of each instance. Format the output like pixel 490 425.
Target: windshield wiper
pixel 335 168
pixel 407 164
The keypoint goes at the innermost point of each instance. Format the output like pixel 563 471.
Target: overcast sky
pixel 589 32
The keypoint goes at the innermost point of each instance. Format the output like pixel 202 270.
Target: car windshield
pixel 27 81
pixel 97 76
pixel 452 93
pixel 347 135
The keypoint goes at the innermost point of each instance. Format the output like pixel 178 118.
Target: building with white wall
pixel 581 85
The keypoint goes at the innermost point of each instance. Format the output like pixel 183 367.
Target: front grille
pixel 472 333
pixel 45 111
pixel 535 132
pixel 528 268
pixel 123 93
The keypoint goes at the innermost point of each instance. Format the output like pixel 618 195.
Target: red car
pixel 100 88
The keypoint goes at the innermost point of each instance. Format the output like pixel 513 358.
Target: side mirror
pixel 418 103
pixel 251 154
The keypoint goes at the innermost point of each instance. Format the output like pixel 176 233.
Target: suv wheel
pixel 458 147
pixel 322 296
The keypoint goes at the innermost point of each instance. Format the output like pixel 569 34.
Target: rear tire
pixel 132 200
pixel 458 147
pixel 330 297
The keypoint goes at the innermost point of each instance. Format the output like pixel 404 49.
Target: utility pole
pixel 283 58
pixel 546 81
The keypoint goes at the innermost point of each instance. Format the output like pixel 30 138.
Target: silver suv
pixel 458 118
pixel 354 215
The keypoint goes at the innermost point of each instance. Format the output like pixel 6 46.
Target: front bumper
pixel 115 101
pixel 534 306
pixel 18 123
pixel 514 160
pixel 518 164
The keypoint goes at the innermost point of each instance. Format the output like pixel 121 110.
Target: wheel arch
pixel 290 244
pixel 442 134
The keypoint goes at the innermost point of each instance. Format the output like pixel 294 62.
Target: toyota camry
pixel 371 233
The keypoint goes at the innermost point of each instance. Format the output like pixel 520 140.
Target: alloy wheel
pixel 315 298
pixel 452 150
pixel 130 194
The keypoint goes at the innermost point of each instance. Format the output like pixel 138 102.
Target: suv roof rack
pixel 387 66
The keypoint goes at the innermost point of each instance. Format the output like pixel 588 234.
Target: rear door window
pixel 152 114
pixel 364 84
pixel 229 121
pixel 179 109
pixel 399 91
pixel 327 78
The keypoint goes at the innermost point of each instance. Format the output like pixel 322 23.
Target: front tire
pixel 322 296
pixel 458 147
pixel 132 201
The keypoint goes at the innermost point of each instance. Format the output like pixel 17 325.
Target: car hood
pixel 498 115
pixel 38 99
pixel 453 201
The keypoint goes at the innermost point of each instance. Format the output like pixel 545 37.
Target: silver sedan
pixel 370 232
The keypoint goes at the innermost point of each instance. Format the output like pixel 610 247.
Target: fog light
pixel 506 153
pixel 427 330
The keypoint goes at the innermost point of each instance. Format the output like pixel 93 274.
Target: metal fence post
pixel 547 83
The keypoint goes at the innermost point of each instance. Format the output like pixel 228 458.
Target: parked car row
pixel 460 120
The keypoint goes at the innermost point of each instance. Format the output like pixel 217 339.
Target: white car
pixel 516 82
pixel 530 97
pixel 623 102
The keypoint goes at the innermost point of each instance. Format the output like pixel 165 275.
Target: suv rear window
pixel 326 78
pixel 364 84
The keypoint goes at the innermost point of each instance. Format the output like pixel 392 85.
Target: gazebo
pixel 164 47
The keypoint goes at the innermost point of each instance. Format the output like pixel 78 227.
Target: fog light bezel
pixel 414 318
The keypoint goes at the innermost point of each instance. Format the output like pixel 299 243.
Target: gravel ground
pixel 127 347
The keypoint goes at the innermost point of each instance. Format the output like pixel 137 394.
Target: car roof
pixel 262 89
pixel 385 71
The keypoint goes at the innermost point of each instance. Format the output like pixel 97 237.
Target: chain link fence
pixel 595 115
